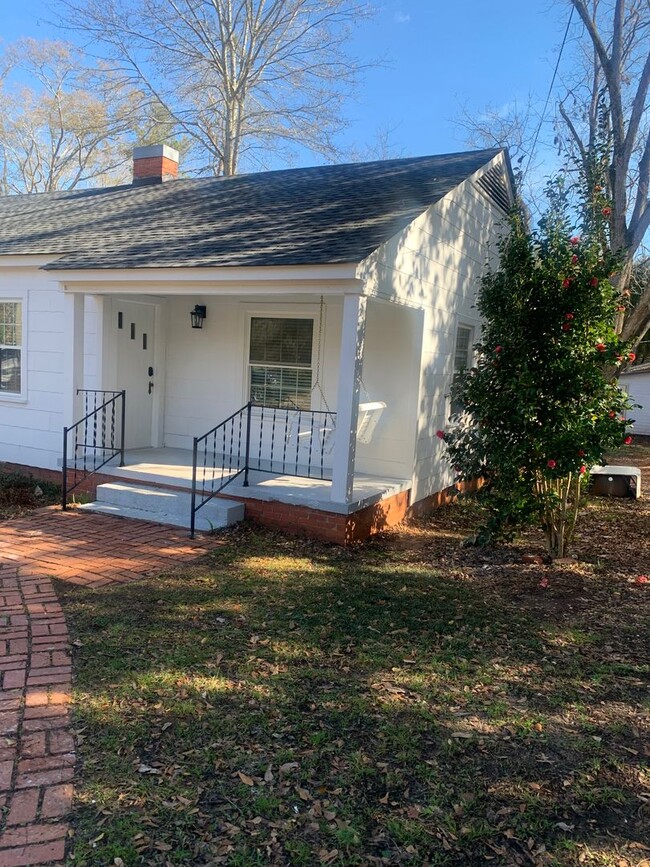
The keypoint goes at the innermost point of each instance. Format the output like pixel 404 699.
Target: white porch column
pixel 347 409
pixel 100 327
pixel 73 355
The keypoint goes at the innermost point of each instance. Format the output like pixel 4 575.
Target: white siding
pixel 206 370
pixel 638 386
pixel 435 265
pixel 31 428
pixel 391 363
pixel 205 376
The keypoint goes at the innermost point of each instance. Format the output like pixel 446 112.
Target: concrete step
pixel 163 506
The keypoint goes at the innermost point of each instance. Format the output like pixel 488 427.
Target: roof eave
pixel 225 280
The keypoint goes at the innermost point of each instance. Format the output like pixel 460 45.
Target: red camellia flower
pixel 566 283
pixel 566 326
pixel 583 470
pixel 627 440
pixel 593 282
pixel 568 316
pixel 440 434
pixel 607 212
pixel 632 356
pixel 498 349
pixel 574 259
pixel 575 240
pixel 601 347
pixel 642 579
pixel 551 464
pixel 581 453
pixel 612 414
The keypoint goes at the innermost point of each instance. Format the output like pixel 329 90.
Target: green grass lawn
pixel 407 701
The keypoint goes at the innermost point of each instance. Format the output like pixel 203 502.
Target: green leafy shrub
pixel 542 404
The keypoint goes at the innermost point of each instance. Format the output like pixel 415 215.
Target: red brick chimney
pixel 154 164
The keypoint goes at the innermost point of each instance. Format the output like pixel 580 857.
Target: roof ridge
pixel 491 152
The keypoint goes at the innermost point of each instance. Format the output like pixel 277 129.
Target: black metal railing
pixel 282 441
pixel 219 457
pixel 95 439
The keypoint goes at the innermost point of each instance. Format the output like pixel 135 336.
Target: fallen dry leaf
pixel 246 780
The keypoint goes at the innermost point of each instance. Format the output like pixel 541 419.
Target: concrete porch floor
pixel 173 467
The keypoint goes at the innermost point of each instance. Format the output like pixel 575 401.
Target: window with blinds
pixel 280 362
pixel 11 347
pixel 462 358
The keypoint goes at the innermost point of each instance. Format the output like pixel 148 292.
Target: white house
pixel 298 330
pixel 636 381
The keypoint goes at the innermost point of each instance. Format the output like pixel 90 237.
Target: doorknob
pixel 150 387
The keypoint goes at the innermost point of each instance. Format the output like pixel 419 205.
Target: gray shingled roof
pixel 327 214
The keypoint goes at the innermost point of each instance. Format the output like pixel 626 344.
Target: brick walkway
pixel 36 748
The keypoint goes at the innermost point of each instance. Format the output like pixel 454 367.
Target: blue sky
pixel 439 55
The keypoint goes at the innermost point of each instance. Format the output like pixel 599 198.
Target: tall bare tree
pixel 61 124
pixel 242 78
pixel 611 101
pixel 602 111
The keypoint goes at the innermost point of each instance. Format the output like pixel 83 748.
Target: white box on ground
pixel 614 481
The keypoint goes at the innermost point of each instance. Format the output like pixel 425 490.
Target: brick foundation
pixel 443 498
pixel 345 529
pixel 301 520
pixel 327 526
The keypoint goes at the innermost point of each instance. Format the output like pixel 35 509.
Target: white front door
pixel 134 329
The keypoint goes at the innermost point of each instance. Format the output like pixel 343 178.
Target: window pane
pixel 10 370
pixel 462 359
pixel 280 356
pixel 281 341
pixel 286 387
pixel 11 328
pixel 463 348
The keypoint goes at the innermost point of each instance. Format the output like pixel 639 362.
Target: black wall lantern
pixel 198 315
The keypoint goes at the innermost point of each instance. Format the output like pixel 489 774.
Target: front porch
pixel 300 399
pixel 170 467
pixel 160 485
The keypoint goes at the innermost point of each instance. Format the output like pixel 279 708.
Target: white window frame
pixel 12 396
pixel 277 312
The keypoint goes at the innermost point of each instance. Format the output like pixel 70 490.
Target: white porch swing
pixel 370 411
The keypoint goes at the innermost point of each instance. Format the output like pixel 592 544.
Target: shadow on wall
pixel 390 512
pixel 437 263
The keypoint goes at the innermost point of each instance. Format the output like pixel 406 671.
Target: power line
pixel 550 90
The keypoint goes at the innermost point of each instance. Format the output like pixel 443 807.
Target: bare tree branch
pixel 218 66
pixel 62 124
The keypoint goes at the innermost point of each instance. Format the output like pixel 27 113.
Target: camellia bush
pixel 542 404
